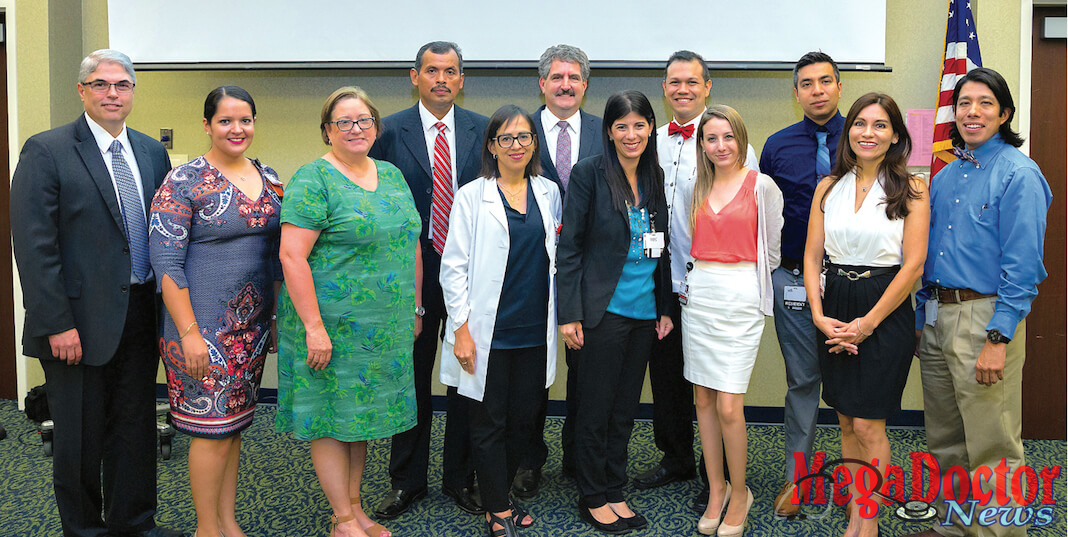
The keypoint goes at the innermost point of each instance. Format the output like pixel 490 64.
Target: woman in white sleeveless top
pixel 871 219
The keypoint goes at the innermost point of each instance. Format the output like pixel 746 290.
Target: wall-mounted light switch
pixel 166 137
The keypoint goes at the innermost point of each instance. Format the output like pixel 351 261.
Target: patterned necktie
pixel 441 201
pixel 132 213
pixel 563 154
pixel 823 155
pixel 965 155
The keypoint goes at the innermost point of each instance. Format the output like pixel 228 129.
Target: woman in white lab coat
pixel 497 277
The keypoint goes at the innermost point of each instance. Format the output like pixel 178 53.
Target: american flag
pixel 960 56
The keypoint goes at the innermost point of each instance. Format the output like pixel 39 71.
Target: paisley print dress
pixel 209 237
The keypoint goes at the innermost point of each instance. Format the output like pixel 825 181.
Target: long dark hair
pixel 993 80
pixel 650 176
pixel 501 117
pixel 892 170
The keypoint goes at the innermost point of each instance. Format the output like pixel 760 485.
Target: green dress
pixel 363 266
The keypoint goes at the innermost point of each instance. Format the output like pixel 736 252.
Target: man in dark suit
pixel 79 200
pixel 566 134
pixel 436 145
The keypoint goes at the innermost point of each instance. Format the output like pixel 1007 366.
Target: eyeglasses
pixel 506 140
pixel 345 125
pixel 102 86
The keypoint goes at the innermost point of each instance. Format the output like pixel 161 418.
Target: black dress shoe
pixel 161 532
pixel 636 522
pixel 467 499
pixel 700 502
pixel 658 477
pixel 397 502
pixel 526 483
pixel 618 526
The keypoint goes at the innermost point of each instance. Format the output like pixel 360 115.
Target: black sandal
pixel 506 523
pixel 518 514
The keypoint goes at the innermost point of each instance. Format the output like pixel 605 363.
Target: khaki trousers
pixel 968 424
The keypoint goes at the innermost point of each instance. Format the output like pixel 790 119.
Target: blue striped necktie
pixel 823 155
pixel 132 214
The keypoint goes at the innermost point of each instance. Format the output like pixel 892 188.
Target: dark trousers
pixel 537 451
pixel 104 443
pixel 409 458
pixel 672 401
pixel 611 370
pixel 502 424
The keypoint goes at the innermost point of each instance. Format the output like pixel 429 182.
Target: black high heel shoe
pixel 507 526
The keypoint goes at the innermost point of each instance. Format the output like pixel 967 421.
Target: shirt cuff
pixel 1003 321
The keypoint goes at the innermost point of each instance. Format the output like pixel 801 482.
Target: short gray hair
pixel 438 47
pixel 105 55
pixel 564 53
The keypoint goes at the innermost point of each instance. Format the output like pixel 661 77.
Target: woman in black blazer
pixel 613 298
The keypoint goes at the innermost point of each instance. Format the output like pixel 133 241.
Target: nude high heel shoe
pixel 708 526
pixel 726 530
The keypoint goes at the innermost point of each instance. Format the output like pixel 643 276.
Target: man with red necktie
pixel 437 146
pixel 686 87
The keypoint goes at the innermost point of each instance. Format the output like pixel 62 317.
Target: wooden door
pixel 1044 389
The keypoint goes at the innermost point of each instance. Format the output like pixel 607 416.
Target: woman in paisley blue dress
pixel 346 314
pixel 214 244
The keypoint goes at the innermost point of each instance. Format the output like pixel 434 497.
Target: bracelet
pixel 862 329
pixel 188 328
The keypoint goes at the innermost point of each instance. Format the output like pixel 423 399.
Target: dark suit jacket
pixel 590 143
pixel 594 240
pixel 403 144
pixel 69 240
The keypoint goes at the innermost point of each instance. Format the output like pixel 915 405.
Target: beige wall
pixel 288 102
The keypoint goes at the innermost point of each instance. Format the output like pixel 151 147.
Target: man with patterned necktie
pixel 797 157
pixel 79 228
pixel 566 134
pixel 437 146
pixel 984 264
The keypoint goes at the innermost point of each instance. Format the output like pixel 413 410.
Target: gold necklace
pixel 512 196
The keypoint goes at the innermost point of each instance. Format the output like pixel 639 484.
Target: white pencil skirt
pixel 721 325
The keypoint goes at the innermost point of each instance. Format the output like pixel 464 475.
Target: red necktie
pixel 674 128
pixel 441 200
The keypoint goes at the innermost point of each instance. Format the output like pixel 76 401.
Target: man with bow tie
pixel 686 87
pixel 984 264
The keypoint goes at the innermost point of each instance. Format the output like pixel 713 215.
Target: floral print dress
pixel 363 268
pixel 209 237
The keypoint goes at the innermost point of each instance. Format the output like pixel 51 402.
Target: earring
pixel 494 156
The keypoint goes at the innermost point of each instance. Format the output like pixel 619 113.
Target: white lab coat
pixel 472 275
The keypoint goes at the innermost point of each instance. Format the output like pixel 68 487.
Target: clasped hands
pixel 843 337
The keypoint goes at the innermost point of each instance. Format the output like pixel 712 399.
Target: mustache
pixel 567 92
pixel 444 87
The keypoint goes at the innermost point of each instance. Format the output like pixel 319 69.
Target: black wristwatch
pixel 995 336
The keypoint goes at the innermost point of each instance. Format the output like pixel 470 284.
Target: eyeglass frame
pixel 515 139
pixel 105 89
pixel 355 122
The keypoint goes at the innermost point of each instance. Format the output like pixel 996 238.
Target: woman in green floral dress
pixel 346 315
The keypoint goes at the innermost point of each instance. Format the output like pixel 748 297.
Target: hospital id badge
pixel 794 298
pixel 653 243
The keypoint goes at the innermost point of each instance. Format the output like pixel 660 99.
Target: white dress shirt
pixel 431 133
pixel 550 125
pixel 678 158
pixel 104 140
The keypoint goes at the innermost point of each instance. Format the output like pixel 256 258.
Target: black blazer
pixel 69 239
pixel 594 240
pixel 403 144
pixel 590 143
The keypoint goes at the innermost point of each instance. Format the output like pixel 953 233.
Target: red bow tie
pixel 674 128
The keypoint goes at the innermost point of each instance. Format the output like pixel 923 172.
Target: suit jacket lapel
pixel 144 165
pixel 415 139
pixel 466 140
pixel 94 163
pixel 548 169
pixel 590 125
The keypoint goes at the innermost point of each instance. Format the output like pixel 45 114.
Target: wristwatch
pixel 995 336
pixel 420 311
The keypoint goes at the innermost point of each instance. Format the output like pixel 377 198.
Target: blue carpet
pixel 279 495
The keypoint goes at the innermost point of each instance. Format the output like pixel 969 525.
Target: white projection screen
pixel 202 33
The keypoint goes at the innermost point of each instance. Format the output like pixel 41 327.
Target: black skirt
pixel 868 384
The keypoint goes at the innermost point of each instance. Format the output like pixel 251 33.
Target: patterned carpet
pixel 279 495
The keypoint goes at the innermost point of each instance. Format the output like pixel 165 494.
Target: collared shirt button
pixel 949 226
pixel 940 253
pixel 957 201
pixel 965 176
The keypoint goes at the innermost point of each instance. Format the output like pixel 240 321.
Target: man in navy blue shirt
pixel 984 263
pixel 797 157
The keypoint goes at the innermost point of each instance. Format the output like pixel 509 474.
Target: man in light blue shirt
pixel 984 264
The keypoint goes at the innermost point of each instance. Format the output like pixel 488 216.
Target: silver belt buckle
pixel 854 275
